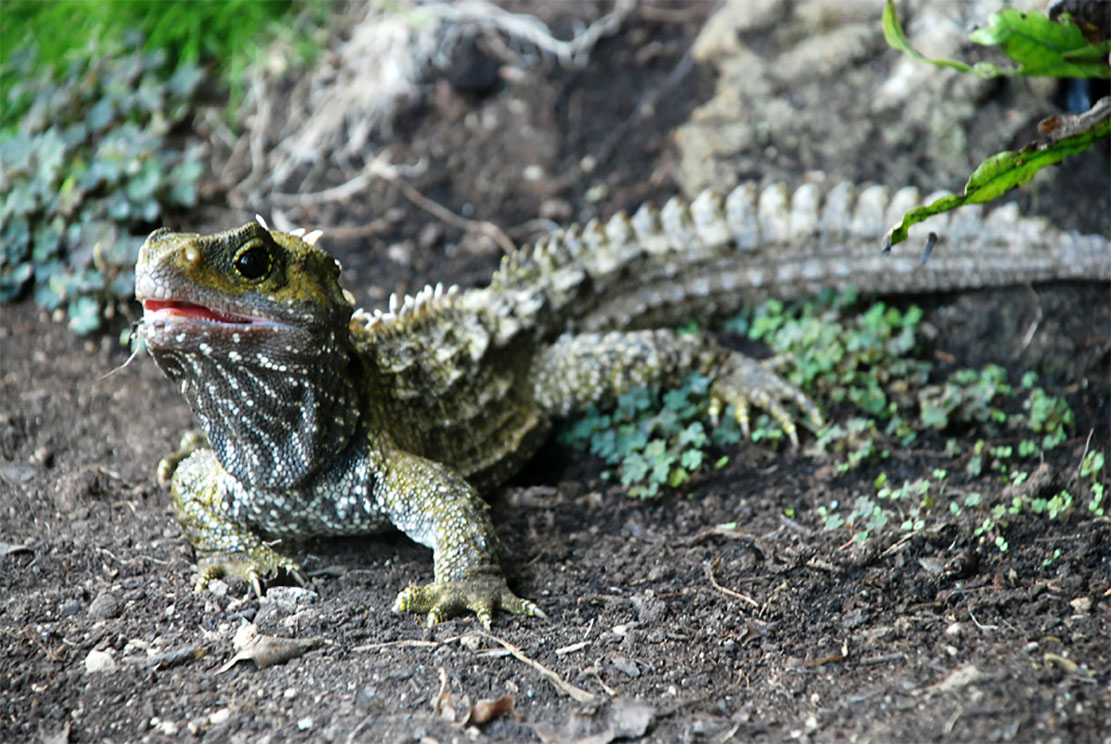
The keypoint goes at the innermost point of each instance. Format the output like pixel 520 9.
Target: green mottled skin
pixel 324 421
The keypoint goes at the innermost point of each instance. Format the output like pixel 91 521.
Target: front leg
pixel 224 546
pixel 595 368
pixel 436 507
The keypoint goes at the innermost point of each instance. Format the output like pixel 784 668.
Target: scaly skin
pixel 325 421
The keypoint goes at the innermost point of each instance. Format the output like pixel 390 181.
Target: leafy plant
pixel 1040 46
pixel 656 440
pixel 92 159
pixel 223 34
pixel 862 364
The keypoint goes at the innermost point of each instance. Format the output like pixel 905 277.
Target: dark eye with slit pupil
pixel 253 262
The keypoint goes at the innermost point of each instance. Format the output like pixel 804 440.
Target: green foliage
pixel 1041 47
pixel 866 361
pixel 91 160
pixel 980 399
pixel 656 440
pixel 863 364
pixel 1000 173
pixel 860 361
pixel 226 35
pixel 863 360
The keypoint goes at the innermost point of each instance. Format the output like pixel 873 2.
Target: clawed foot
pixel 746 383
pixel 481 595
pixel 252 569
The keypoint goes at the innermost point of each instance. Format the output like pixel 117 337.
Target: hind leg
pixel 595 368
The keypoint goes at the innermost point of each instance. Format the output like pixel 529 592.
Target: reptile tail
pixel 715 255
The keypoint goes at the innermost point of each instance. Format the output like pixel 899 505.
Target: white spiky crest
pixel 259 219
pixel 408 307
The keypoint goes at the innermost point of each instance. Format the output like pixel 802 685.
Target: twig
pixel 343 191
pixel 793 525
pixel 709 567
pixel 982 627
pixel 572 648
pixel 645 108
pixel 438 701
pixel 378 167
pixel 446 215
pixel 1079 465
pixel 362 724
pixel 575 693
pixel 374 227
pixel 593 670
pixel 381 168
pixel 575 52
pixel 406 643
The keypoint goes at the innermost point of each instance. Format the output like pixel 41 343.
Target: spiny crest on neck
pixel 405 314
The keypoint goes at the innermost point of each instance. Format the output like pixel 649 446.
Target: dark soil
pixel 779 630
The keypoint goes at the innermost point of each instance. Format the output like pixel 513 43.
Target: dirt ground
pixel 660 627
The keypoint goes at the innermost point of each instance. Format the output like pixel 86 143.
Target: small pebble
pixel 99 662
pixel 366 698
pixel 105 607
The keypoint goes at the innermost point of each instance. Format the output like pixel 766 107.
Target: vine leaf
pixel 1010 168
pixel 1041 46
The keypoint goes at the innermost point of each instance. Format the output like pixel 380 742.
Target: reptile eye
pixel 253 261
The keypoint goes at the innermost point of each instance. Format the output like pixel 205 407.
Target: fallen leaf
pixel 267 651
pixel 487 710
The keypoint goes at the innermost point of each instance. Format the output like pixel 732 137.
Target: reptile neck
pixel 277 407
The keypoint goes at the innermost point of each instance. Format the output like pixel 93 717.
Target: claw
pixel 741 412
pixel 256 583
pixel 482 595
pixel 746 383
pixel 254 568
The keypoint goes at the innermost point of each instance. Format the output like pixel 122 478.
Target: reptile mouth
pixel 154 310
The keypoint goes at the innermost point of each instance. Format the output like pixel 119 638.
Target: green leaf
pixel 1001 173
pixel 1043 47
pixel 897 39
pixel 694 435
pixel 1039 45
pixel 691 460
pixel 13 279
pixel 84 315
pixel 100 115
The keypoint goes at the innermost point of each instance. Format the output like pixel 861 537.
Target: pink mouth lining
pixel 166 309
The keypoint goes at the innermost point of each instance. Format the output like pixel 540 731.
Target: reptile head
pixel 252 325
pixel 246 276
